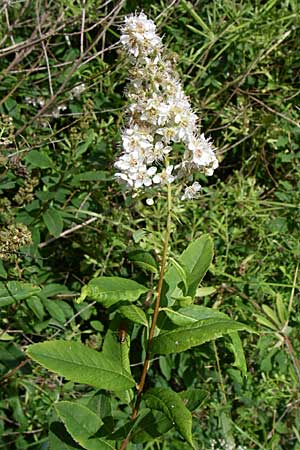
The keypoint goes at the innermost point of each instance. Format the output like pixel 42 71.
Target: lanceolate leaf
pixel 110 290
pixel 183 338
pixel 196 260
pixel 192 314
pixel 237 349
pixel 82 364
pixel 170 403
pixel 82 424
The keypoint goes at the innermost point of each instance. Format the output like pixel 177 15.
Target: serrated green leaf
pixel 196 260
pixel 81 364
pixel 153 425
pixel 111 290
pixel 53 221
pixel 238 351
pixel 192 314
pixel 134 313
pixel 170 403
pixel 39 159
pixel 193 398
pixel 59 438
pixel 82 424
pixel 183 338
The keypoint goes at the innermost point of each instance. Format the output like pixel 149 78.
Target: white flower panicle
pixel 159 115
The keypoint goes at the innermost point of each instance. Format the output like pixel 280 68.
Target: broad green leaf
pixel 111 290
pixel 153 425
pixel 239 355
pixel 143 259
pixel 82 424
pixel 39 159
pixel 134 313
pixel 53 221
pixel 79 363
pixel 183 338
pixel 193 398
pixel 13 291
pixel 59 438
pixel 170 403
pixel 192 314
pixel 196 260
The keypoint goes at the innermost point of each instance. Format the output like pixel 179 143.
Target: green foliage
pixel 67 228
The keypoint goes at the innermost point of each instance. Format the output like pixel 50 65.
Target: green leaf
pixel 204 291
pixel 39 159
pixel 170 403
pixel 82 424
pixel 153 425
pixel 54 310
pixel 79 363
pixel 281 309
pixel 239 355
pixel 192 314
pixel 193 398
pixel 181 339
pixel 143 259
pixel 53 221
pixel 59 438
pixel 196 260
pixel 35 304
pixel 271 314
pixel 13 291
pixel 111 290
pixel 265 322
pixel 97 175
pixel 134 313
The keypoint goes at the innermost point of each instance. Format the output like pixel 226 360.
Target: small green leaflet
pixel 111 290
pixel 81 364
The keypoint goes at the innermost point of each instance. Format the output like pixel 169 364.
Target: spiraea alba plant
pixel 163 151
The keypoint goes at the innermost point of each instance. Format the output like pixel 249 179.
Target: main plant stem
pixel 154 317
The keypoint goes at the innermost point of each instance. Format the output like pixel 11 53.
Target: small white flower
pixel 159 115
pixel 191 191
pixel 165 176
pixel 150 201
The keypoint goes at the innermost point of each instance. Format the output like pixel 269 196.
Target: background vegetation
pixel 64 218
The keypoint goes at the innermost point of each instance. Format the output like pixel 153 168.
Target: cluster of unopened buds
pixel 159 115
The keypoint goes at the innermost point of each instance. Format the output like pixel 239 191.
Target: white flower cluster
pixel 159 115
